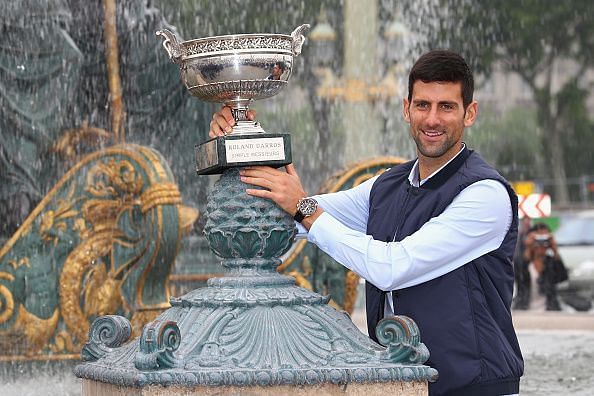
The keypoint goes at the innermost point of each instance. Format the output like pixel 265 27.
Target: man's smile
pixel 432 133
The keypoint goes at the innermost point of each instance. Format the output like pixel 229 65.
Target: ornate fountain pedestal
pixel 252 332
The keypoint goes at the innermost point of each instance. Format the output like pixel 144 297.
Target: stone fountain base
pixel 417 388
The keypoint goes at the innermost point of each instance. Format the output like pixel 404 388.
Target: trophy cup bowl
pixel 236 70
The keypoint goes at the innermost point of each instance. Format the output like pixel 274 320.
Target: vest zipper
pixel 394 293
pixel 408 193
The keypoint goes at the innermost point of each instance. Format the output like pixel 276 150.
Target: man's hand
pixel 222 122
pixel 528 246
pixel 284 188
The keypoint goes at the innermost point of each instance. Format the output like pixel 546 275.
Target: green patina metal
pixel 254 326
pixel 102 241
pixel 107 332
pixel 312 268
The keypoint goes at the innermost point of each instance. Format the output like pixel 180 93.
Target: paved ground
pixel 558 350
pixel 528 320
pixel 557 362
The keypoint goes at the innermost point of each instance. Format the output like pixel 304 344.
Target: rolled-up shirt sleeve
pixel 474 224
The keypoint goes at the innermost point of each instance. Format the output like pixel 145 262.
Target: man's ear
pixel 471 113
pixel 406 110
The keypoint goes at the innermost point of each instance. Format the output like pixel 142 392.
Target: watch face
pixel 307 206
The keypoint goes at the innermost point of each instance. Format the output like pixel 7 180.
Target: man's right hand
pixel 222 122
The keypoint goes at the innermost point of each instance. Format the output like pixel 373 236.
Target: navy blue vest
pixel 464 316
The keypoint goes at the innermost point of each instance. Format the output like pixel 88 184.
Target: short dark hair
pixel 540 227
pixel 443 66
pixel 281 65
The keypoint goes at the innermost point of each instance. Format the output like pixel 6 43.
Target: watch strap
pixel 298 216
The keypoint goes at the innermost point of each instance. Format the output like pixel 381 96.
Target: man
pixel 277 71
pixel 434 238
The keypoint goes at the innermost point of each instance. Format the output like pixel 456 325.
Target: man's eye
pixel 422 105
pixel 447 107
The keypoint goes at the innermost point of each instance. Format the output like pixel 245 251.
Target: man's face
pixel 276 71
pixel 437 118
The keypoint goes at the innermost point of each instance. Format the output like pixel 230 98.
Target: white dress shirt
pixel 474 223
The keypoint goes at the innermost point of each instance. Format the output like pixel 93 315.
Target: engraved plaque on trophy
pixel 236 70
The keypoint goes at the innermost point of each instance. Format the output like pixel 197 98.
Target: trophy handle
pixel 171 45
pixel 298 38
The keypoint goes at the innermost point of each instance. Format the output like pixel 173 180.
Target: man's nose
pixel 433 117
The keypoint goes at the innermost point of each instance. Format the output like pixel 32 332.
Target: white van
pixel 575 240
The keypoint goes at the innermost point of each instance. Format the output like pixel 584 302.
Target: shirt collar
pixel 413 177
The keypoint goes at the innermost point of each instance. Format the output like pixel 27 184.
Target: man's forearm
pixel 308 221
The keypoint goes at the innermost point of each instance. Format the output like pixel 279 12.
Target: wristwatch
pixel 305 208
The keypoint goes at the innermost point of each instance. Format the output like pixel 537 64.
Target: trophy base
pixel 223 152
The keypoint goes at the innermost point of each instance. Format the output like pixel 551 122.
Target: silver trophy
pixel 235 70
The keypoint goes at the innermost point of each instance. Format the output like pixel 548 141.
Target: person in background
pixel 542 259
pixel 434 238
